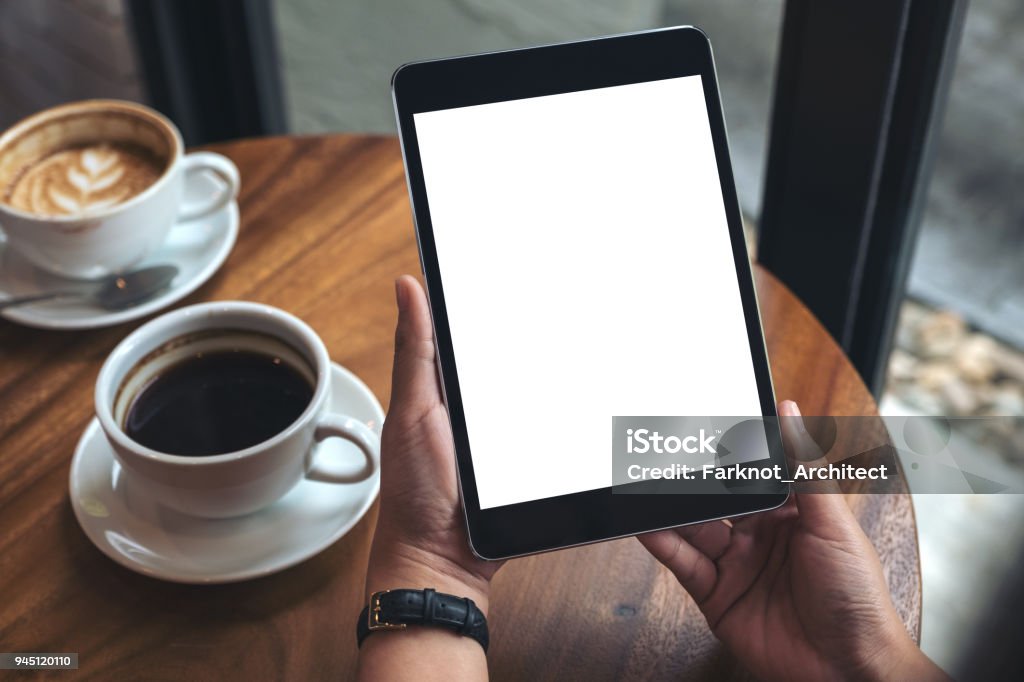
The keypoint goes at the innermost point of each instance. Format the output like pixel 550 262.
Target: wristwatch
pixel 397 609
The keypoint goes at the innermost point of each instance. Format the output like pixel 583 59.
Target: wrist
pixel 902 659
pixel 407 567
pixel 915 665
pixel 392 654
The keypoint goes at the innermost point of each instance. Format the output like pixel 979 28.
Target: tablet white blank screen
pixel 587 271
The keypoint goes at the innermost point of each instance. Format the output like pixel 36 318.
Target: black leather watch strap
pixel 396 609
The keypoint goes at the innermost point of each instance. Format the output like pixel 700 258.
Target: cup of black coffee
pixel 215 410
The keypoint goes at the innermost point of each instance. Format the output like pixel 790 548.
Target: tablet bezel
pixel 596 515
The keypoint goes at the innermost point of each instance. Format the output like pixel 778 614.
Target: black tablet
pixel 593 307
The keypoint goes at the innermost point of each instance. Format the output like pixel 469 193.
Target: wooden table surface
pixel 326 228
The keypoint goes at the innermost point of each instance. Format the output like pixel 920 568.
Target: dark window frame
pixel 859 96
pixel 211 66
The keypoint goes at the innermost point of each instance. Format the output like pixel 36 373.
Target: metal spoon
pixel 115 292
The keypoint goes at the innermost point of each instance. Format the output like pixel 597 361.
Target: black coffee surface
pixel 216 403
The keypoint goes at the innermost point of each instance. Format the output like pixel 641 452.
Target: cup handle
pixel 221 166
pixel 351 430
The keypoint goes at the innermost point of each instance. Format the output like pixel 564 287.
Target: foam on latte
pixel 82 180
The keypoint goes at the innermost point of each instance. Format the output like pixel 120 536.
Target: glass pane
pixel 957 350
pixel 337 57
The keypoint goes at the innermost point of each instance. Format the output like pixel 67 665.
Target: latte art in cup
pixel 83 180
pixel 90 189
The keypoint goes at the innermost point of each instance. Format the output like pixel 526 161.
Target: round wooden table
pixel 326 228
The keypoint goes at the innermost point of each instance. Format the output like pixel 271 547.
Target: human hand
pixel 797 592
pixel 420 539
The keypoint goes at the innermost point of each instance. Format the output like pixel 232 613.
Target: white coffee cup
pixel 108 240
pixel 234 483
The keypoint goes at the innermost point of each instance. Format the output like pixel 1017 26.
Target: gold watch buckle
pixel 373 615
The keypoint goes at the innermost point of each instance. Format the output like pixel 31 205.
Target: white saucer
pixel 149 539
pixel 197 247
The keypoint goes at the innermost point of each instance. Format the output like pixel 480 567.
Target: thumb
pixel 414 382
pixel 822 504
